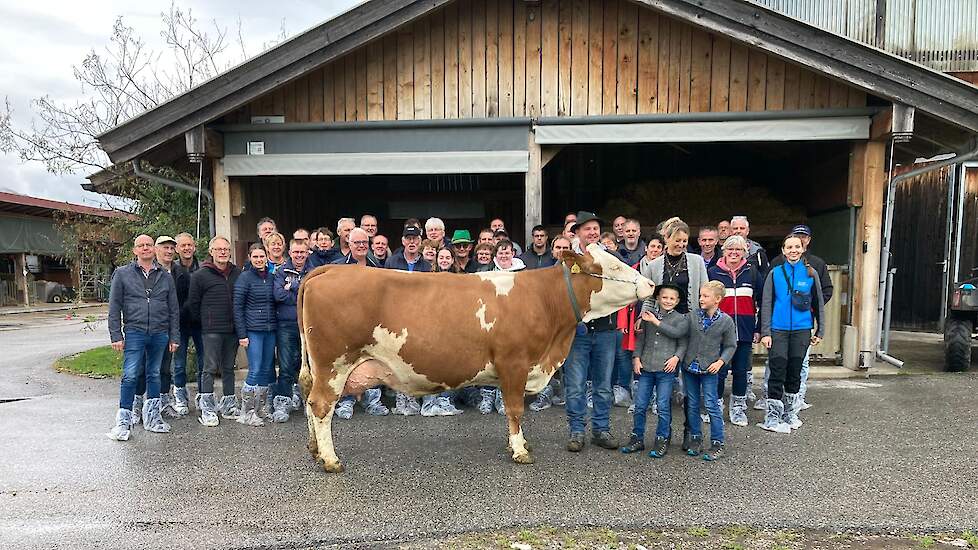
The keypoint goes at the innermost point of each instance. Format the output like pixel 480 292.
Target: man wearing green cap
pixel 462 246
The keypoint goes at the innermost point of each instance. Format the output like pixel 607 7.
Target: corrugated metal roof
pixel 941 34
pixel 23 204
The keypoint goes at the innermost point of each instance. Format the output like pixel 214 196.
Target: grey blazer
pixel 718 342
pixel 657 344
pixel 697 276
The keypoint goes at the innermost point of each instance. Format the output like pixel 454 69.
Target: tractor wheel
pixel 56 298
pixel 957 344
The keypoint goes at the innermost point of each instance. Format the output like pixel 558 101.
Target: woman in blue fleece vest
pixel 792 303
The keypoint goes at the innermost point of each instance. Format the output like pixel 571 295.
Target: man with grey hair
pixel 266 226
pixel 739 225
pixel 618 228
pixel 368 222
pixel 144 321
pixel 343 228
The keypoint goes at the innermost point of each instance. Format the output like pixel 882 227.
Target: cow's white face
pixel 621 285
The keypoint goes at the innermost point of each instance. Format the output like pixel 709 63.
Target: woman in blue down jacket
pixel 255 323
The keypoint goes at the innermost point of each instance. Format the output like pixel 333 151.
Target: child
pixel 658 350
pixel 712 342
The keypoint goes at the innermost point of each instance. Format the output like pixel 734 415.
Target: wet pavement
pixel 893 453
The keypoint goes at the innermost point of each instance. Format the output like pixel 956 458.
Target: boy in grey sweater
pixel 659 348
pixel 712 343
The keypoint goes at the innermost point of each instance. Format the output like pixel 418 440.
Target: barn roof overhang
pixel 947 108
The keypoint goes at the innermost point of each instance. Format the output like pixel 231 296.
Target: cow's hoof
pixel 523 459
pixel 331 467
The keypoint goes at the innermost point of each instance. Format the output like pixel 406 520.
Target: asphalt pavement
pixel 893 453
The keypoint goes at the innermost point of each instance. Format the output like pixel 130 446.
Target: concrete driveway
pixel 894 453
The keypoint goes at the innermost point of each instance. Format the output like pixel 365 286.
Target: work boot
pixel 406 405
pixel 249 415
pixel 622 398
pixel 604 440
pixel 152 420
pixel 167 410
pixel 660 448
pixel 791 406
pixel 772 418
pixel 635 444
pixel 344 409
pixel 371 403
pixel 488 396
pixel 738 410
pixel 261 398
pixel 715 451
pixel 228 407
pixel 208 410
pixel 180 402
pixel 542 401
pixel 576 442
pixel 498 402
pixel 282 406
pixel 430 406
pixel 693 447
pixel 137 409
pixel 297 397
pixel 447 407
pixel 123 421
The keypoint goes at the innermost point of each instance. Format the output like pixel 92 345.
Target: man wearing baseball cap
pixel 804 232
pixel 409 258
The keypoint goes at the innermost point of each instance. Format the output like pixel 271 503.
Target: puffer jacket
pixel 742 300
pixel 254 302
pixel 285 298
pixel 211 299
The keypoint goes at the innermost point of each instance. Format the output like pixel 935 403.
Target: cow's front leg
pixel 319 407
pixel 513 399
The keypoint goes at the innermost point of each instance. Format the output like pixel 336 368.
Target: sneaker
pixel 604 440
pixel 406 405
pixel 228 407
pixel 208 411
pixel 635 444
pixel 622 397
pixel 576 442
pixel 344 409
pixel 715 452
pixel 557 400
pixel 660 448
pixel 498 402
pixel 121 430
pixel 180 402
pixel 430 406
pixel 446 406
pixel 488 395
pixel 693 447
pixel 542 400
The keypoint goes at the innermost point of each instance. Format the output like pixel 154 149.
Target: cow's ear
pixel 576 262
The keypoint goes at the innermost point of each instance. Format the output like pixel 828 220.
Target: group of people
pixel 708 310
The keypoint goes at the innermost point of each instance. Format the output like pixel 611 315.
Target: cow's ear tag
pixel 576 269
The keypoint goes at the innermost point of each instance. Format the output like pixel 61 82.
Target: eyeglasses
pixel 359 243
pixel 225 250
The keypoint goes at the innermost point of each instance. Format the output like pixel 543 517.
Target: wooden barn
pixel 529 109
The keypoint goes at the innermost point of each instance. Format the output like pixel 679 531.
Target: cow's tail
pixel 305 372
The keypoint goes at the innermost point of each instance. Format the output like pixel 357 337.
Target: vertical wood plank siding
pixel 503 58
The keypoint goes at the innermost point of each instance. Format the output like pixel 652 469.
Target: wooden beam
pixel 882 125
pixel 222 201
pixel 547 154
pixel 579 59
pixel 867 171
pixel 533 188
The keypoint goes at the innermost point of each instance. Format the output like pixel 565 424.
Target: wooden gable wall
pixel 504 58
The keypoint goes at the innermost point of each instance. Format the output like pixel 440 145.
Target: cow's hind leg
pixel 512 387
pixel 319 407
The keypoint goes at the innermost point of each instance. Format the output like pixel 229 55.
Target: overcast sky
pixel 42 41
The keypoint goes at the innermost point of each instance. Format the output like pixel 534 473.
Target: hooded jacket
pixel 211 299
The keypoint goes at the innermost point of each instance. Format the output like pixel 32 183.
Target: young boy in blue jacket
pixel 712 342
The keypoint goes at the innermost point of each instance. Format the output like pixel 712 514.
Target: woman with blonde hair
pixel 676 266
pixel 275 249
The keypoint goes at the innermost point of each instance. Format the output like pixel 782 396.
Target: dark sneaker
pixel 604 440
pixel 635 444
pixel 576 442
pixel 660 448
pixel 693 448
pixel 715 452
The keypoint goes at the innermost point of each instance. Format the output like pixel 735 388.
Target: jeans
pixel 662 383
pixel 166 377
pixel 261 358
pixel 592 357
pixel 623 363
pixel 740 365
pixel 707 384
pixel 141 355
pixel 788 349
pixel 180 357
pixel 289 348
pixel 219 354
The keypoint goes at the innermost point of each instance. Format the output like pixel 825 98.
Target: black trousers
pixel 788 348
pixel 220 351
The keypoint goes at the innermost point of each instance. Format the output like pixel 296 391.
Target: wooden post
pixel 222 204
pixel 533 192
pixel 867 182
pixel 20 277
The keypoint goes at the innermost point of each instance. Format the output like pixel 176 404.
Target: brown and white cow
pixel 362 327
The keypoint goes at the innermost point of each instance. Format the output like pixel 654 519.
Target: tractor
pixel 959 328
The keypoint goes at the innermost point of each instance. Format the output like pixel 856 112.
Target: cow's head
pixel 619 284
